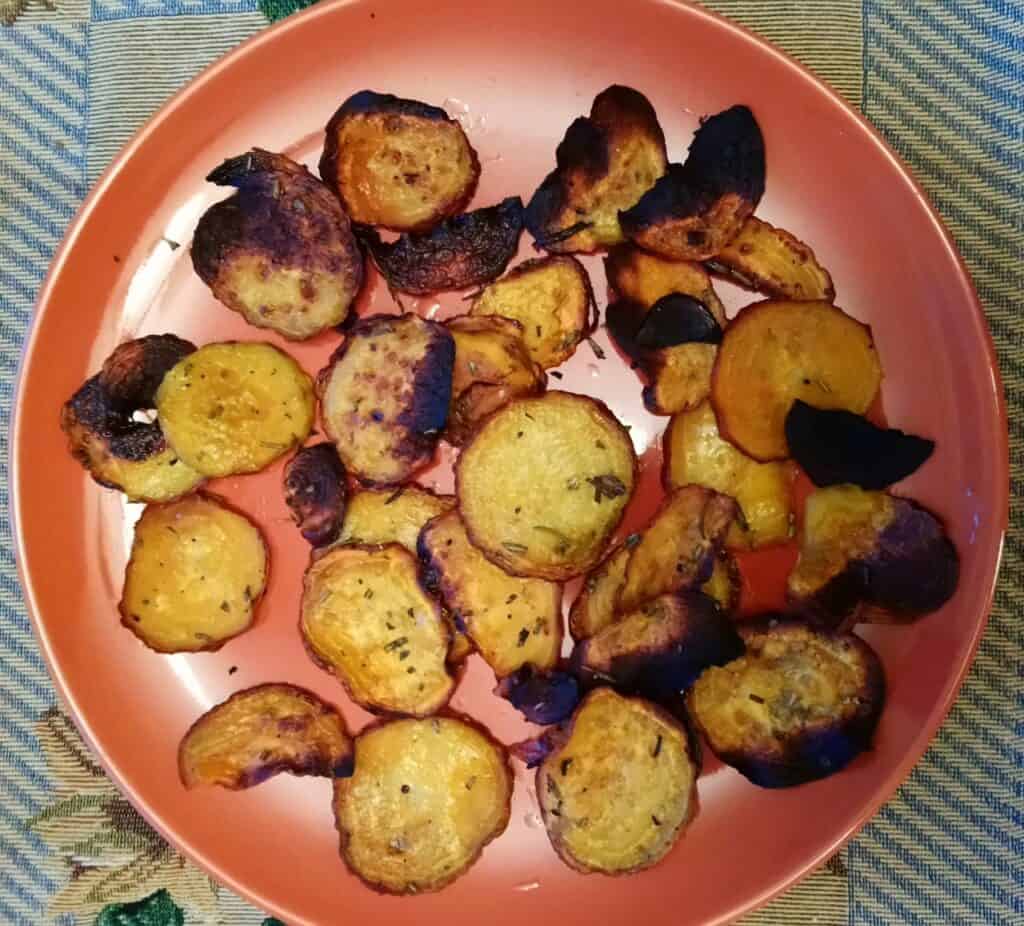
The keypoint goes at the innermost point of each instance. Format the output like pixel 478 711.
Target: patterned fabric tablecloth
pixel 944 82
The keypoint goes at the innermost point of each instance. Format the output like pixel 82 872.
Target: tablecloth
pixel 944 82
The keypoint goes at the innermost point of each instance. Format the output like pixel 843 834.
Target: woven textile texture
pixel 943 80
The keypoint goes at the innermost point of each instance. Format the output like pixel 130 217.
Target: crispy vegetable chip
pixel 772 261
pixel 398 163
pixel 798 706
pixel 426 797
pixel 594 607
pixel 511 621
pixel 834 446
pixel 280 251
pixel 551 298
pixel 105 435
pixel 644 278
pixel 195 574
pixel 605 163
pixel 870 556
pixel 235 407
pixel 261 731
pixel 618 792
pixel 679 547
pixel 697 208
pixel 315 492
pixel 365 618
pixel 774 353
pixel 384 395
pixel 659 649
pixel 379 516
pixel 492 366
pixel 695 453
pixel 542 697
pixel 543 484
pixel 466 250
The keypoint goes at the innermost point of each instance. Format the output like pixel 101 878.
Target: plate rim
pixel 326 9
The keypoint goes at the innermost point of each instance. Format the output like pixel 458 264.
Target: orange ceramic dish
pixel 515 74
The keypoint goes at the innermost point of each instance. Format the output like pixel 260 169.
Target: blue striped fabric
pixel 42 179
pixel 944 81
pixel 137 9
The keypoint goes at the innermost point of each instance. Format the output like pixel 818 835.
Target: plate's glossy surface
pixel 516 74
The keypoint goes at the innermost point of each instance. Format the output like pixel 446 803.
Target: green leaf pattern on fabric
pixel 272 9
pixel 155 910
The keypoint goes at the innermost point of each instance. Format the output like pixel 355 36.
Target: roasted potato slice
pixel 637 276
pixel 492 366
pixel 378 516
pixel 511 621
pixel 365 618
pixel 467 250
pixel 695 453
pixel 594 606
pixel 315 492
pixel 659 649
pixel 398 163
pixel 605 163
pixel 870 556
pixel 618 792
pixel 103 434
pixel 426 797
pixel 261 731
pixel 542 697
pixel 551 298
pixel 774 353
pixel 772 261
pixel 697 208
pixel 197 570
pixel 235 407
pixel 726 583
pixel 799 705
pixel 678 548
pixel 384 395
pixel 543 484
pixel 280 251
pixel 834 446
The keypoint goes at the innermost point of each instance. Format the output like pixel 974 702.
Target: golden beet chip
pixel 605 163
pixel 466 250
pixel 195 574
pixel 511 621
pixel 774 353
pixel 384 395
pixel 697 208
pixel 365 618
pixel 618 792
pixel 492 366
pixel 235 407
pixel 315 491
pixel 696 454
pixel 773 261
pixel 280 251
pixel 799 705
pixel 543 484
pixel 398 163
pixel 551 298
pixel 872 557
pixel 104 435
pixel 379 516
pixel 678 548
pixel 637 276
pixel 594 607
pixel 426 797
pixel 261 731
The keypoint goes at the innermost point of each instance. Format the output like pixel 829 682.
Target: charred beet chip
pixel 314 490
pixel 542 697
pixel 678 319
pixel 467 250
pixel 835 446
pixel 110 427
pixel 799 705
pixel 697 208
pixel 280 251
pixel 661 648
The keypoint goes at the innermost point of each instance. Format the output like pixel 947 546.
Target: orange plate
pixel 516 74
